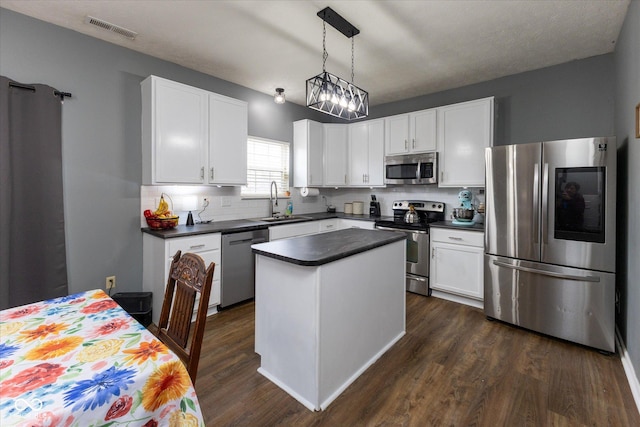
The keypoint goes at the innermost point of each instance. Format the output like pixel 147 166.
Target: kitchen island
pixel 327 307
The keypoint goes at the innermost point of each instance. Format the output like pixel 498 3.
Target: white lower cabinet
pixel 456 265
pixel 285 231
pixel 356 223
pixel 157 256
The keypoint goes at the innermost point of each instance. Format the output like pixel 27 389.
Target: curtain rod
pixel 57 93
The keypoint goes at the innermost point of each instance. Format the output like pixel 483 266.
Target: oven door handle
pixel 401 229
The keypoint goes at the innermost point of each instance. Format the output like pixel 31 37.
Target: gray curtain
pixel 32 245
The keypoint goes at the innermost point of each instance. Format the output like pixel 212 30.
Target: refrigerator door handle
pixel 548 273
pixel 536 203
pixel 545 203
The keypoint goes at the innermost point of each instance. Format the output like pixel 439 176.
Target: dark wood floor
pixel 452 368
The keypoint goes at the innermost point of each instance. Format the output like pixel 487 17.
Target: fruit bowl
pixel 162 223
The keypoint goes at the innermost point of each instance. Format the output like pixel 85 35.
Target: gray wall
pixel 627 65
pixel 571 100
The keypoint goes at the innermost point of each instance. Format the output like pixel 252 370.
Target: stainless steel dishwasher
pixel 238 266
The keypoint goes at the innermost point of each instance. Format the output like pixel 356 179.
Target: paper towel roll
pixel 306 192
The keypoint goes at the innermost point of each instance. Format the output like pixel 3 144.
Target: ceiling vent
pixel 110 27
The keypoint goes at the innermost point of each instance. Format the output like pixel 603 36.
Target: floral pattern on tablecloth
pixel 82 361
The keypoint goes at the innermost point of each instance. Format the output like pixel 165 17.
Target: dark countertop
pixel 239 225
pixel 450 224
pixel 323 248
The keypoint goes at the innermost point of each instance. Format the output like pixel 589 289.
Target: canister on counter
pixel 348 208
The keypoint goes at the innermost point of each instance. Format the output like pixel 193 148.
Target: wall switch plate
pixel 110 282
pixel 225 202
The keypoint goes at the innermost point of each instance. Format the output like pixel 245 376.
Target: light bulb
pixel 351 106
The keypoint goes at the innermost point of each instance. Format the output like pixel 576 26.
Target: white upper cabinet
pixel 189 133
pixel 227 141
pixel 464 131
pixel 411 133
pixel 308 151
pixel 175 128
pixel 366 153
pixel 335 155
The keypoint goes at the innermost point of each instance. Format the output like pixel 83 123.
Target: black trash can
pixel 137 304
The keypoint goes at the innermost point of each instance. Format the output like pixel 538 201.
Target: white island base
pixel 320 327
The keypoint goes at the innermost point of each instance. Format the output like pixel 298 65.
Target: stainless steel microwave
pixel 411 169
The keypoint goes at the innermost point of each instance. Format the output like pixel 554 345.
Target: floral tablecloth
pixel 81 360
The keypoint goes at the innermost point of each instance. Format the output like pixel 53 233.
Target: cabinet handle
pixel 345 178
pixel 366 176
pixel 202 173
pixel 441 175
pixel 200 246
pixel 455 238
pixel 406 144
pixel 414 143
pixel 211 174
pixel 329 226
pixel 433 253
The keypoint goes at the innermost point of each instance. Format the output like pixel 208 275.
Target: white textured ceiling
pixel 405 48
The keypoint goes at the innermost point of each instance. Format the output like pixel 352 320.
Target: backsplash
pixel 226 203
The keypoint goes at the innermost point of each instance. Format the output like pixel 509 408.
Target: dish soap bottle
pixel 289 210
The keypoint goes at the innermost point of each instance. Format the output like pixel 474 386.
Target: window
pixel 267 161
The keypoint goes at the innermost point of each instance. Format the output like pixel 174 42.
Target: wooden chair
pixel 187 277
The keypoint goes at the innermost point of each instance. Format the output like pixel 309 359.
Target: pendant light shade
pixel 335 96
pixel 279 98
pixel 329 93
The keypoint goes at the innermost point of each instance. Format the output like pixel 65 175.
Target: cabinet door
pixel 335 155
pixel 179 124
pixel 423 131
pixel 397 134
pixel 358 153
pixel 227 141
pixel 464 131
pixel 375 174
pixel 292 230
pixel 308 151
pixel 315 159
pixel 457 269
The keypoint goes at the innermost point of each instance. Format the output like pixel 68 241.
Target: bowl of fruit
pixel 162 218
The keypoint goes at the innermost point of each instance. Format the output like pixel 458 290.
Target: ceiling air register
pixel 329 93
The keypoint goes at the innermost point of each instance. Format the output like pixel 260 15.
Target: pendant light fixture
pixel 329 93
pixel 278 98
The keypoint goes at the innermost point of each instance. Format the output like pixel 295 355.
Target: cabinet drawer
pixel 195 244
pixel 461 237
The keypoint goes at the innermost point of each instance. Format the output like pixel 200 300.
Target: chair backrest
pixel 187 278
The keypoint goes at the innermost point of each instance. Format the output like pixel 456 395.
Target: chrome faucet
pixel 271 204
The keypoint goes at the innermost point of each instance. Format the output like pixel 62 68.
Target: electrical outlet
pixel 110 282
pixel 225 201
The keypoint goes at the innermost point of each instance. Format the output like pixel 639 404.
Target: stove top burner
pixel 427 212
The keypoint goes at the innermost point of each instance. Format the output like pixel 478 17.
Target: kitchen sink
pixel 280 219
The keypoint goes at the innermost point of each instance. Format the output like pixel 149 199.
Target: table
pixel 81 360
pixel 327 307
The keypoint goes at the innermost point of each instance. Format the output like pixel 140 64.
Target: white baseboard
pixel 628 369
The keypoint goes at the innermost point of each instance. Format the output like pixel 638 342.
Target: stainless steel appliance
pixel 238 266
pixel 411 169
pixel 550 238
pixel 417 269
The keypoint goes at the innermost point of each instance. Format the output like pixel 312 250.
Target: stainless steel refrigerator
pixel 550 238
